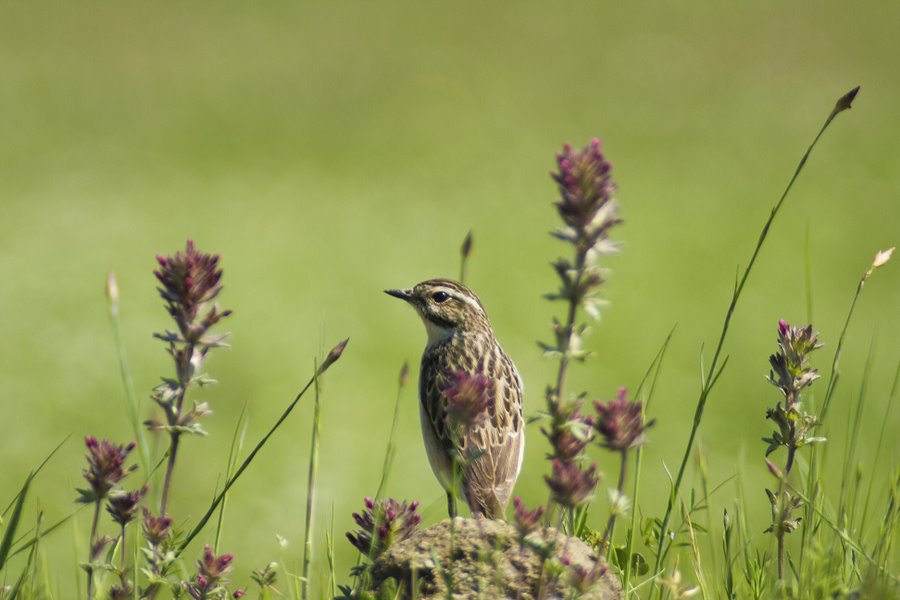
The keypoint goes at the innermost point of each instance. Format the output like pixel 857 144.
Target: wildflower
pixel 189 281
pixel 621 423
pixel 98 545
pixel 570 431
pixel 106 468
pixel 213 567
pixel 156 529
pixel 123 505
pixel 469 396
pixel 782 512
pixel 570 485
pixel 585 187
pixel 790 371
pixel 210 580
pixel 384 523
pixel 526 521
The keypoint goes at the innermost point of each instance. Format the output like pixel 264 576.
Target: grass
pixel 341 127
pixel 686 558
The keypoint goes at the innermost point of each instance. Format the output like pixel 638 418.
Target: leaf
pixel 13 524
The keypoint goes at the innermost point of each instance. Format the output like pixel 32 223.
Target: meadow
pixel 331 153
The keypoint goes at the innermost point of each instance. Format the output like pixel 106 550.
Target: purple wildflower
pixel 571 485
pixel 383 523
pixel 106 467
pixel 621 423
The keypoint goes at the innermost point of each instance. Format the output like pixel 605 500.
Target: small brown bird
pixel 470 398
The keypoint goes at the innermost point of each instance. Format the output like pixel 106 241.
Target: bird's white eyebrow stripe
pixel 459 295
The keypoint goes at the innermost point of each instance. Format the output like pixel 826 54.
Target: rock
pixel 488 562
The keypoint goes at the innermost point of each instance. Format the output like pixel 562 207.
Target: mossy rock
pixel 488 561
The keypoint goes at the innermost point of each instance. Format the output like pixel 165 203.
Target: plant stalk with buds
pixel 189 281
pixel 588 211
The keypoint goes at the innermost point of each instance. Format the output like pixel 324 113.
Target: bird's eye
pixel 440 296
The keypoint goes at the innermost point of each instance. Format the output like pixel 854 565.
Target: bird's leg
pixel 451 505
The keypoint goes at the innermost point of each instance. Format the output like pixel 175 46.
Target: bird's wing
pixel 494 449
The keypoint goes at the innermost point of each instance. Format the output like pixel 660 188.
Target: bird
pixel 470 399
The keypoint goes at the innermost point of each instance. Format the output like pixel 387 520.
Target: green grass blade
pixel 37 470
pixel 311 491
pixel 654 369
pixel 132 402
pixel 880 259
pixel 807 276
pixel 329 360
pixel 842 104
pixel 237 444
pixel 391 446
pixel 884 421
pixel 21 546
pixel 13 524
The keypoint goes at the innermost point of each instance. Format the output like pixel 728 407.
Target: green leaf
pixel 13 524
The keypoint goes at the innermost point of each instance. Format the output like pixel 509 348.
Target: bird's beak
pixel 402 294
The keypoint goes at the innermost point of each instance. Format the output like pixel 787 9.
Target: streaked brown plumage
pixel 461 341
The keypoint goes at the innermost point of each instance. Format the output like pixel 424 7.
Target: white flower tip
pixel 882 257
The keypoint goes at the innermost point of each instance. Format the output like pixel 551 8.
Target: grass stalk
pixel 329 548
pixel 237 443
pixel 884 421
pixel 815 458
pixel 10 533
pixel 845 507
pixel 329 360
pixel 311 492
pixel 714 371
pixel 464 251
pixel 654 368
pixel 391 448
pixel 132 402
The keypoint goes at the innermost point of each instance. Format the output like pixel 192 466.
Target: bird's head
pixel 446 307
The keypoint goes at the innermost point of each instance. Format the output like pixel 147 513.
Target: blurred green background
pixel 330 152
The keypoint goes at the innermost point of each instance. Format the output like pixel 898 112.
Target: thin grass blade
pixel 13 524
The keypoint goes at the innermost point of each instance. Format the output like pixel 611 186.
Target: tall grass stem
pixel 329 360
pixel 132 402
pixel 311 491
pixel 842 104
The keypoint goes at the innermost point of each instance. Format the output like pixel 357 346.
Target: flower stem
pixel 90 569
pixel 122 547
pixel 569 327
pixel 173 450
